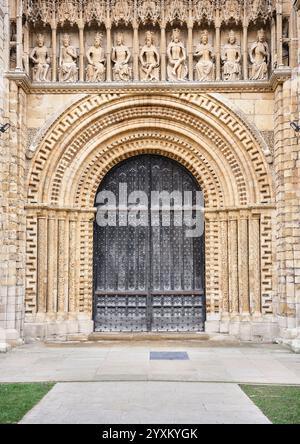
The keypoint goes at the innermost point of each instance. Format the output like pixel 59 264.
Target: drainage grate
pixel 169 356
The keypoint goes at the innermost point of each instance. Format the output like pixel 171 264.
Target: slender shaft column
pixel 135 52
pixel 279 33
pixel 42 263
pixel 163 50
pixel 26 47
pixel 54 50
pixel 62 257
pixel 224 263
pixel 52 264
pixel 190 50
pixel 273 43
pixel 233 266
pixel 108 51
pixel 19 47
pixel 72 263
pixel 245 50
pixel 218 45
pixel 254 266
pixel 81 50
pixel 243 266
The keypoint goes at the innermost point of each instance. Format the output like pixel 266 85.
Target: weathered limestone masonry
pixel 12 235
pixel 212 84
pixel 287 183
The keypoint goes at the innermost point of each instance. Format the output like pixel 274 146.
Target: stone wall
pixel 12 222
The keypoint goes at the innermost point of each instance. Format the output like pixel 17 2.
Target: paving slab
pixel 145 402
pixel 248 363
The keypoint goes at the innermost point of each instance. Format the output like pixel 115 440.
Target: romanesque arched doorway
pixel 148 261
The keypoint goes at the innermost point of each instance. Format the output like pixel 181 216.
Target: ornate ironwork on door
pixel 148 277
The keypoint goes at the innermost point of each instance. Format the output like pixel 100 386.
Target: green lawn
pixel 281 404
pixel 18 399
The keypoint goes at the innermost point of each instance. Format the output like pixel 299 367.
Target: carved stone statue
pixel 95 71
pixel 177 68
pixel 231 58
pixel 205 54
pixel 120 57
pixel 68 71
pixel 41 59
pixel 259 57
pixel 149 59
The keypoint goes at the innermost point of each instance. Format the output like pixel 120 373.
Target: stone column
pixel 42 263
pixel 254 265
pixel 273 43
pixel 218 45
pixel 279 33
pixel 108 50
pixel 62 261
pixel 73 262
pixel 81 50
pixel 52 263
pixel 54 50
pixel 224 263
pixel 163 50
pixel 233 265
pixel 190 49
pixel 245 49
pixel 243 265
pixel 135 52
pixel 19 48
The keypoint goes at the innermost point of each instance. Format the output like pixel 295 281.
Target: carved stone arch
pixel 201 116
pixel 73 152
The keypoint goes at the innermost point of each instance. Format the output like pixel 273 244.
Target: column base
pixel 57 329
pixel 4 346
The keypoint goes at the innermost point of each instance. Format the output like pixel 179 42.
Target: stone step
pixel 147 336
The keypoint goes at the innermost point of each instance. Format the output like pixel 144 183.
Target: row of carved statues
pixel 149 59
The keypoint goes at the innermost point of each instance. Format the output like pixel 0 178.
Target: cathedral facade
pixel 161 95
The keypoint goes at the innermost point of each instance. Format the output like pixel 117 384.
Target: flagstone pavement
pixel 116 382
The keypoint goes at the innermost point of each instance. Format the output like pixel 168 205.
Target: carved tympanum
pixel 205 54
pixel 231 58
pixel 177 68
pixel 41 59
pixel 95 71
pixel 259 57
pixel 149 59
pixel 68 71
pixel 120 57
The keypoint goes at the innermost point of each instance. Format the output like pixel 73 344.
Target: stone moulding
pixel 278 77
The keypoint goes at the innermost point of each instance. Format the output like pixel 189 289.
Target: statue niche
pixel 68 71
pixel 259 57
pixel 149 59
pixel 205 54
pixel 177 68
pixel 95 71
pixel 231 58
pixel 120 57
pixel 41 60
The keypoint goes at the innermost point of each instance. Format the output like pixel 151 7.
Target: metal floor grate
pixel 169 356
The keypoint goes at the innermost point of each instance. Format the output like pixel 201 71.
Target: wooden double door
pixel 148 274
